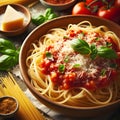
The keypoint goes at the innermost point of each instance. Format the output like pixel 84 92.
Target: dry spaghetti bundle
pixel 27 110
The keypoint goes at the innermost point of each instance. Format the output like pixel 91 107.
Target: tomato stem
pixel 108 4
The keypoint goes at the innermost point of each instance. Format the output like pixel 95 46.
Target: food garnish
pixel 39 19
pixel 9 54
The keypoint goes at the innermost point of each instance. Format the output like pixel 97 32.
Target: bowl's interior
pixel 27 19
pixel 11 102
pixel 67 3
pixel 41 30
pixel 58 7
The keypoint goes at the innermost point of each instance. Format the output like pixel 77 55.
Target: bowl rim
pixel 57 5
pixel 28 14
pixel 27 79
pixel 15 110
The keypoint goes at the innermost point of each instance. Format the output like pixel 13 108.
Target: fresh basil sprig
pixel 9 54
pixel 107 52
pixel 39 19
pixel 82 47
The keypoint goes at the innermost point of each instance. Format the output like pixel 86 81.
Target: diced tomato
pixel 66 86
pixel 114 46
pixel 90 85
pixel 54 76
pixel 72 33
pixel 113 73
pixel 44 70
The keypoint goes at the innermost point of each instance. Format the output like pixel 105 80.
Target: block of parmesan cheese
pixel 12 19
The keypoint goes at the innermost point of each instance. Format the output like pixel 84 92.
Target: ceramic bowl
pixel 58 7
pixel 43 29
pixel 9 107
pixel 27 19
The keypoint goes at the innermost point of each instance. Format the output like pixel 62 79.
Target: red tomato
pixel 93 3
pixel 80 8
pixel 111 14
pixel 117 3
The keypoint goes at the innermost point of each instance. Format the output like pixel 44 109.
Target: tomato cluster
pixel 108 9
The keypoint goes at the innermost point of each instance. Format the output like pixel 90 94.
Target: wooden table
pixel 18 40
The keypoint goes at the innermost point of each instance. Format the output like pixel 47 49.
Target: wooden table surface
pixel 18 40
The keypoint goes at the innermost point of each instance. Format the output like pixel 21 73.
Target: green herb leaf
pixel 51 16
pixel 76 65
pixel 61 68
pixel 49 55
pixel 103 72
pixel 6 62
pixel 108 44
pixel 106 52
pixel 83 47
pixel 66 59
pixel 37 20
pixel 93 51
pixel 9 54
pixel 80 46
pixel 48 12
pixel 97 38
pixel 5 44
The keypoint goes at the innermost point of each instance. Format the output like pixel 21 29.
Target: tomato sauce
pixel 58 1
pixel 65 77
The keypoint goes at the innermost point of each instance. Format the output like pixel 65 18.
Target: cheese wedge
pixel 12 19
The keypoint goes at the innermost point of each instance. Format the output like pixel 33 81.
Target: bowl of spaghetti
pixel 71 64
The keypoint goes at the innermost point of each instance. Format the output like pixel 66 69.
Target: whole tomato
pixel 117 3
pixel 80 8
pixel 93 3
pixel 110 13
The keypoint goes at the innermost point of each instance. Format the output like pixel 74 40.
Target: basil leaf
pixel 5 44
pixel 48 12
pixel 80 46
pixel 61 68
pixel 108 44
pixel 93 51
pixel 103 72
pixel 106 52
pixel 49 56
pixel 37 20
pixel 66 59
pixel 51 16
pixel 6 62
pixel 76 65
pixel 9 52
pixel 97 38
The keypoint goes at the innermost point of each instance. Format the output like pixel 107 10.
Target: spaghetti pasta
pixel 27 110
pixel 69 66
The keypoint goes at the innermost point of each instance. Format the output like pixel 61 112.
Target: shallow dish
pixel 27 19
pixel 58 7
pixel 9 107
pixel 43 29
